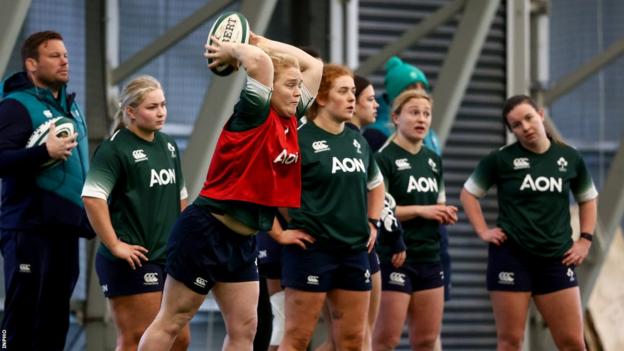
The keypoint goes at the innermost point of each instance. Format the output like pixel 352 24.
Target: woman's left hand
pixel 577 253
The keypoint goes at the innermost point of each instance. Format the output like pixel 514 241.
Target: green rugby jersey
pixel 251 111
pixel 533 194
pixel 337 172
pixel 143 184
pixel 414 179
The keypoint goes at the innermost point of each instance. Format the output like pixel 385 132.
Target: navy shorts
pixel 411 277
pixel 511 268
pixel 269 256
pixel 203 251
pixel 117 278
pixel 318 270
pixel 373 259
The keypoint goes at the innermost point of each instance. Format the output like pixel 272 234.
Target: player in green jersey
pixel 413 175
pixel 531 251
pixel 133 194
pixel 341 187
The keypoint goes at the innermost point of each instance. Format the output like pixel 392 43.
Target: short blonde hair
pixel 406 96
pixel 132 95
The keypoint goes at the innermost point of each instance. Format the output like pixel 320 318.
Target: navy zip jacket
pixel 36 198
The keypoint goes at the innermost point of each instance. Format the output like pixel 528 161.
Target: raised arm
pixel 253 59
pixel 311 67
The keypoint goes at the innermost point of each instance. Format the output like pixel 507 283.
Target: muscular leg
pixel 425 318
pixel 302 312
pixel 238 304
pixel 564 316
pixel 373 310
pixel 348 311
pixel 178 306
pixel 392 315
pixel 510 313
pixel 132 314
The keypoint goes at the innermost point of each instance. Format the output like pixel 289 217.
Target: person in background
pixel 531 251
pixel 342 199
pixel 137 166
pixel 414 177
pixel 42 214
pixel 364 114
pixel 401 76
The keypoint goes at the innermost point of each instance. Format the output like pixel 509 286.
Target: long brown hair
pixel 516 100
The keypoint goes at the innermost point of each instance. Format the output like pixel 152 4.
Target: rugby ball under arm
pixel 64 128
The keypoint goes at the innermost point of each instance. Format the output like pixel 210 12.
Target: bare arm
pixel 473 211
pixel 255 61
pixel 588 213
pixel 289 236
pixel 183 204
pixel 311 67
pixel 440 212
pixel 99 217
pixel 375 200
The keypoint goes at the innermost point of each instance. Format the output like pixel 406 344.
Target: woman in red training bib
pixel 255 169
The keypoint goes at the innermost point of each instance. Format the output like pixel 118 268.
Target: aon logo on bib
pixel 162 177
pixel 542 184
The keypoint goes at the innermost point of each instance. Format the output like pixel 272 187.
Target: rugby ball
pixel 64 128
pixel 229 27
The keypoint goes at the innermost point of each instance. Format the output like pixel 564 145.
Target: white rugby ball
pixel 64 128
pixel 229 27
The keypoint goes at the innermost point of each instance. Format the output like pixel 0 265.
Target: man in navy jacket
pixel 41 213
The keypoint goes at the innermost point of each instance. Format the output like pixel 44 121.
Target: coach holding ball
pixel 41 215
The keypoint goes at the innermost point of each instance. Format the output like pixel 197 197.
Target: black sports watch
pixel 375 222
pixel 587 236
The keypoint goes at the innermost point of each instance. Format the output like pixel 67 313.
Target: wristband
pixel 587 236
pixel 375 222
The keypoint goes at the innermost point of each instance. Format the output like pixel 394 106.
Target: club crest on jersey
pixel 402 164
pixel 139 155
pixel 357 146
pixel 347 165
pixel 433 165
pixel 47 113
pixel 320 146
pixel 542 184
pixel 563 164
pixel 521 163
pixel 172 150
